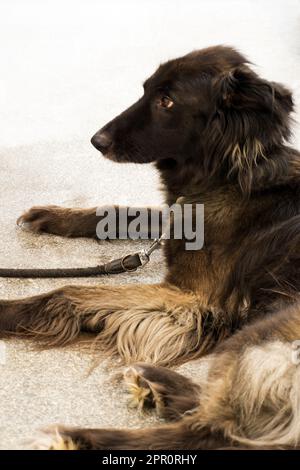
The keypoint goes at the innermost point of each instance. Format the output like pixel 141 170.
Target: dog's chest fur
pixel 205 270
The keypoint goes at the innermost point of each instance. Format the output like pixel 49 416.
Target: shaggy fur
pixel 218 134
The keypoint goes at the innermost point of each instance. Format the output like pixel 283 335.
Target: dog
pixel 218 134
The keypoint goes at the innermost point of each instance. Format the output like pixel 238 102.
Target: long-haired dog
pixel 218 134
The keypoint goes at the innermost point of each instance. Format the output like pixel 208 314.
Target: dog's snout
pixel 102 141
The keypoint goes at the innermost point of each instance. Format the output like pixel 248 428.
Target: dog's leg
pixel 179 435
pixel 150 323
pixel 249 399
pixel 81 222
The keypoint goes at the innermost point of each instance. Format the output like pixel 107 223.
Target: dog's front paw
pixel 50 219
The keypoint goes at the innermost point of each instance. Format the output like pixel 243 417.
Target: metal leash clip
pixel 146 253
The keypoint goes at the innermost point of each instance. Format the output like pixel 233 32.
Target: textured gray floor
pixel 64 76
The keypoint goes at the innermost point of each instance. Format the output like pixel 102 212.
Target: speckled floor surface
pixel 64 76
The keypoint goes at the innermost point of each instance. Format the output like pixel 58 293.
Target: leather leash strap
pixel 128 263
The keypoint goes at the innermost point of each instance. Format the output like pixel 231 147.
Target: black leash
pixel 128 263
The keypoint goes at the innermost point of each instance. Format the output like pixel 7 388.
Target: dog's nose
pixel 102 141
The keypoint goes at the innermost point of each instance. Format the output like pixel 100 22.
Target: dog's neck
pixel 182 180
pixel 186 180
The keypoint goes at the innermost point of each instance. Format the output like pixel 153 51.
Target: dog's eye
pixel 165 102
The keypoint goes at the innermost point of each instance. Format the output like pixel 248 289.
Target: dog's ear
pixel 251 118
pixel 242 89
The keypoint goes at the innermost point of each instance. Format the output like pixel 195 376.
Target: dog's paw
pixel 140 393
pixel 44 219
pixel 53 438
pixel 170 393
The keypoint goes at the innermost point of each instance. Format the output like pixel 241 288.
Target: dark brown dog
pixel 217 133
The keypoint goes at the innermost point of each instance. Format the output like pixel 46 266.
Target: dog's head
pixel 208 108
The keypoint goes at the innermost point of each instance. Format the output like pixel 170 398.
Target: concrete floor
pixel 65 76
